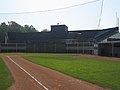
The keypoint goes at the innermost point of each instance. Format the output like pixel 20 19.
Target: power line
pixel 99 22
pixel 53 9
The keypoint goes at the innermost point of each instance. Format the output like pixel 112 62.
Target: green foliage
pixel 5 76
pixel 101 72
pixel 3 27
pixel 28 28
pixel 15 27
pixel 45 30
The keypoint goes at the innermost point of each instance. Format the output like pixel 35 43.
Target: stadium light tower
pixel 117 21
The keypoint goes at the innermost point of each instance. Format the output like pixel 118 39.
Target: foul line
pixel 28 73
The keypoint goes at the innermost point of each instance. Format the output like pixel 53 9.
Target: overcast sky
pixel 76 18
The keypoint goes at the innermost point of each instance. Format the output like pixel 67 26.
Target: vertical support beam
pixel 112 49
pixel 44 47
pixel 89 47
pixel 92 48
pixel 67 47
pixel 34 48
pixel 25 47
pixel 55 47
pixel 83 47
pixel 6 38
pixel 77 47
pixel 7 47
pixel 99 49
pixel 16 47
pixel 95 48
pixel 0 47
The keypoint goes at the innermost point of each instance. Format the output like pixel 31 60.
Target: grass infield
pixel 104 73
pixel 5 76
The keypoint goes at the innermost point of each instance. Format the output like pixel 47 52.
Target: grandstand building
pixel 105 42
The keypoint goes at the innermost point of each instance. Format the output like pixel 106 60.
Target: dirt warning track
pixel 29 76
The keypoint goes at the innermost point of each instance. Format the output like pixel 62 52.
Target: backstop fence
pixel 49 47
pixel 13 47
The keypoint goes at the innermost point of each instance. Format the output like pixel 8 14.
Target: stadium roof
pixel 81 35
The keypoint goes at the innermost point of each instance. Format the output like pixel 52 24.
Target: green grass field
pixel 104 73
pixel 5 76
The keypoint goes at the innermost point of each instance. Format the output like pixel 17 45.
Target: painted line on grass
pixel 28 73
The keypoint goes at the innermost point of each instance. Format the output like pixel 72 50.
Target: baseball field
pixel 105 73
pixel 101 71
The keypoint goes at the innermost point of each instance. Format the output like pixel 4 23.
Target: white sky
pixel 35 5
pixel 76 18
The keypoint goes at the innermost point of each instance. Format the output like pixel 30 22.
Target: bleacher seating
pixel 81 35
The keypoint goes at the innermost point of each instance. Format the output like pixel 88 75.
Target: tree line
pixel 15 27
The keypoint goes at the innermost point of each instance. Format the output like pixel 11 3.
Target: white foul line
pixel 28 73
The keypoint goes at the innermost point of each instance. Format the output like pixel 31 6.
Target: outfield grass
pixel 5 76
pixel 104 73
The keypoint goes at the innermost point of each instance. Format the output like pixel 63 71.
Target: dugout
pixel 111 49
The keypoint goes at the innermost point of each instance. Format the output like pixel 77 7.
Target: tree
pixel 28 28
pixel 45 30
pixel 32 29
pixel 3 27
pixel 25 28
pixel 15 27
